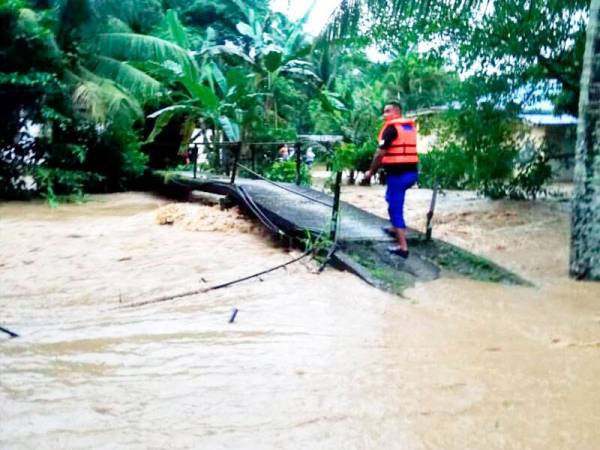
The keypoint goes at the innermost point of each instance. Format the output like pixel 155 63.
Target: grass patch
pixel 388 275
pixel 454 260
pixel 429 260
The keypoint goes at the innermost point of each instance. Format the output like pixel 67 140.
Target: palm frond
pixel 141 85
pixel 230 128
pixel 121 107
pixel 87 99
pixel 203 94
pixel 139 47
pixel 164 116
pixel 229 49
pixel 244 9
pixel 116 25
pixel 297 35
pixel 103 101
pixel 302 73
pixel 217 75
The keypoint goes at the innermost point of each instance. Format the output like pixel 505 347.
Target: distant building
pixel 559 132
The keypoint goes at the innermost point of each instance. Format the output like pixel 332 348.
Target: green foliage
pixel 285 171
pixel 58 184
pixel 448 166
pixel 347 156
pixel 88 72
pixel 530 175
pixel 419 81
pixel 321 244
pixel 487 39
pixel 71 95
pixel 480 149
pixel 92 72
pixel 222 16
pixel 343 157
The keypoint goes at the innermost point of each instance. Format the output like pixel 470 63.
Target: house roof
pixel 322 138
pixel 542 119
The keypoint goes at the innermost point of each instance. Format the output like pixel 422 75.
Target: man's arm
pixel 376 163
pixel 389 135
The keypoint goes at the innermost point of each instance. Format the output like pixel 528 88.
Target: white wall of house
pixel 426 142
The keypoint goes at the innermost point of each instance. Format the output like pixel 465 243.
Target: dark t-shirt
pixel 389 135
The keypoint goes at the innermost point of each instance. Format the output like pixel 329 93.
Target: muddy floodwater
pixel 311 361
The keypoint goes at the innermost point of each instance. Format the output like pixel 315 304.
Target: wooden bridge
pixel 294 211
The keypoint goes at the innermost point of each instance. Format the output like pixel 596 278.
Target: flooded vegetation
pixel 311 360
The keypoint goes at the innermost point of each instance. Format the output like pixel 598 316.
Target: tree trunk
pixel 585 230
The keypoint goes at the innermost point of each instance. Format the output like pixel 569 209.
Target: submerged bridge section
pixel 296 209
pixel 362 244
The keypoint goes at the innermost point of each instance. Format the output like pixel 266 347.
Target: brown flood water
pixel 312 361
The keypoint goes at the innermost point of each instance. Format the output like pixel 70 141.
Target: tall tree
pixel 585 237
pixel 487 37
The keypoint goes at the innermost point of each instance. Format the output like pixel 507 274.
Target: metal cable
pixel 308 197
pixel 252 206
pixel 213 288
pixel 249 202
pixel 270 225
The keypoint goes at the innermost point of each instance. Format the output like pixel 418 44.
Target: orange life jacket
pixel 404 148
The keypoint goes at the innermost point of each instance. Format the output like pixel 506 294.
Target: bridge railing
pixel 237 160
pixel 254 155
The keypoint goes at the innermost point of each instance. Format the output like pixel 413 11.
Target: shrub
pixel 285 171
pixel 63 184
pixel 450 167
pixel 479 150
pixel 351 157
pixel 530 174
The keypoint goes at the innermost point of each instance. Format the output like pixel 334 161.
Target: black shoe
pixel 395 250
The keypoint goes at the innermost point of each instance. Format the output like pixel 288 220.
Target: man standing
pixel 397 154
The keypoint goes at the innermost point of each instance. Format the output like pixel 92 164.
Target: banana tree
pixel 271 53
pixel 203 93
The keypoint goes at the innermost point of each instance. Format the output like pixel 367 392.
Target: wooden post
pixel 335 213
pixel 298 162
pixel 429 227
pixel 195 158
pixel 236 157
pixel 216 149
pixel 226 153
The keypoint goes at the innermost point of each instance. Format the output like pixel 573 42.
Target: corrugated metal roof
pixel 321 137
pixel 548 119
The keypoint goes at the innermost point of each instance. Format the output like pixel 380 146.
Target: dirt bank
pixel 312 361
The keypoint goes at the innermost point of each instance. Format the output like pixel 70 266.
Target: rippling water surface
pixel 312 361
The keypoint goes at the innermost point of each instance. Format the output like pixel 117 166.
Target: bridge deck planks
pixel 294 213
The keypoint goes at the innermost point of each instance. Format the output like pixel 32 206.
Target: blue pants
pixel 394 196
